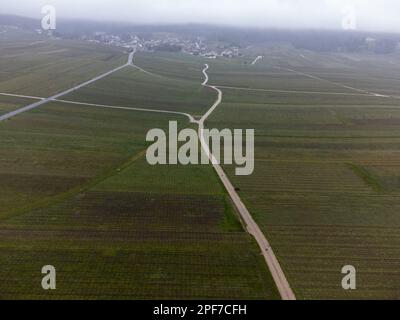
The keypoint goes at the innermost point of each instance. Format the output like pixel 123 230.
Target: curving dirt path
pixel 256 60
pixel 251 226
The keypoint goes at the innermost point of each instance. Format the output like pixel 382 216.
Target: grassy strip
pixel 232 220
pixel 367 177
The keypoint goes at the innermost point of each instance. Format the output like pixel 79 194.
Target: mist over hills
pixel 315 40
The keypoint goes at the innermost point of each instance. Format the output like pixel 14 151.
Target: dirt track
pixel 251 226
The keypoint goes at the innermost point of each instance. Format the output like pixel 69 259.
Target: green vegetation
pixel 8 103
pixel 172 65
pixel 148 244
pixel 319 212
pixel 133 88
pixel 77 193
pixel 41 67
pixel 58 147
pixel 368 178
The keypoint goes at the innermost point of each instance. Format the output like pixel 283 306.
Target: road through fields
pixel 59 95
pixel 251 226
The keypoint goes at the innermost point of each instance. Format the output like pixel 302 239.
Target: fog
pixel 369 15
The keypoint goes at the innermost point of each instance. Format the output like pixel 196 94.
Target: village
pixel 164 42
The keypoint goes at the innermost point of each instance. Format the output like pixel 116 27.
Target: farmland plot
pixel 172 65
pixel 133 88
pixel 45 67
pixel 58 147
pixel 78 194
pixel 325 187
pixel 139 234
pixel 8 104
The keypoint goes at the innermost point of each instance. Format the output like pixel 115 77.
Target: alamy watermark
pixel 49 280
pixel 349 280
pixel 49 20
pixel 193 147
pixel 349 21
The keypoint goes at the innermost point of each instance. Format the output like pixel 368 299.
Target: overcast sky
pixel 374 15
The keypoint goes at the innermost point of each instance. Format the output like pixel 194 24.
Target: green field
pixel 326 184
pixel 36 66
pixel 133 88
pixel 8 103
pixel 172 65
pixel 78 194
pixel 76 191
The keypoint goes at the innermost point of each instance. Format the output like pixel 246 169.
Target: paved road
pixel 59 95
pixel 251 226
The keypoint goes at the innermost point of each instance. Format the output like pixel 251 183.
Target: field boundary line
pixel 147 72
pixel 273 264
pixel 189 116
pixel 295 91
pixel 369 93
pixel 20 96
